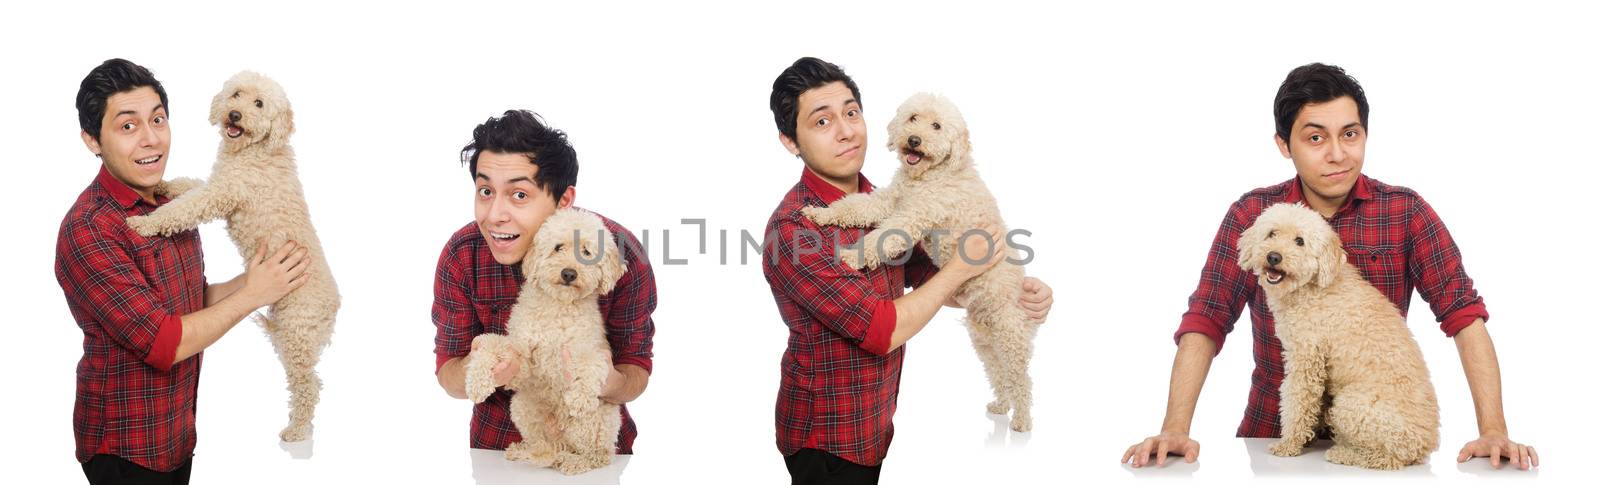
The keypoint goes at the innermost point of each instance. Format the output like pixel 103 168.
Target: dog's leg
pixel 855 210
pixel 581 395
pixel 1300 403
pixel 591 439
pixel 1373 428
pixel 535 423
pixel 177 186
pixel 893 238
pixel 198 205
pixel 491 349
pixel 991 364
pixel 298 335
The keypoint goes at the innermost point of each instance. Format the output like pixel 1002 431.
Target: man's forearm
pixel 217 291
pixel 1482 367
pixel 453 377
pixel 634 381
pixel 913 310
pixel 204 327
pixel 1189 369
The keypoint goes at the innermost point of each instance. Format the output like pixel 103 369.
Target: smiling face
pixel 509 206
pixel 1328 145
pixel 573 257
pixel 252 109
pixel 1290 246
pixel 134 139
pixel 830 134
pixel 928 133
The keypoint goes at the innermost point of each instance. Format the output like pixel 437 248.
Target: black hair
pixel 109 78
pixel 522 131
pixel 1314 83
pixel 805 74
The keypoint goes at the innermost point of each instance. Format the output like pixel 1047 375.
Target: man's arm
pixel 626 383
pixel 1189 369
pixel 1482 367
pixel 266 280
pixel 914 310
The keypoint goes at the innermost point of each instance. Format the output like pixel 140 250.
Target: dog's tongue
pixel 234 131
pixel 912 158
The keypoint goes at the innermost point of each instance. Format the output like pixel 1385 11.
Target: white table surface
pixel 1311 464
pixel 490 467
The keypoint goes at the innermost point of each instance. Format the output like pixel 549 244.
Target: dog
pixel 937 190
pixel 556 328
pixel 255 187
pixel 1350 362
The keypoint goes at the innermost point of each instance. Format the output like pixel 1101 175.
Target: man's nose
pixel 1273 258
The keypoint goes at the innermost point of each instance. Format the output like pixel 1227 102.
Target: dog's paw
pixel 1022 422
pixel 295 433
pixel 819 215
pixel 998 406
pixel 177 186
pixel 1286 448
pixel 539 454
pixel 856 259
pixel 576 463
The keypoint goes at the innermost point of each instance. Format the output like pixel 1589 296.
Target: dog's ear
pixel 1330 258
pixel 611 268
pixel 1249 242
pixel 219 104
pixel 283 125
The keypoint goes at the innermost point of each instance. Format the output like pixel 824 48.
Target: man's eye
pixel 1299 241
pixel 1350 134
pixel 258 103
pixel 160 119
pixel 1316 138
pixel 822 122
pixel 483 191
pixel 936 126
pixel 851 113
pixel 519 195
pixel 127 126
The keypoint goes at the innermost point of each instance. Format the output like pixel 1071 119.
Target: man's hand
pixel 1036 299
pixel 984 252
pixel 1160 445
pixel 1496 445
pixel 268 278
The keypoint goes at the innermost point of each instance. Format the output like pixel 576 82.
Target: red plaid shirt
pixel 127 293
pixel 1394 237
pixel 473 295
pixel 839 378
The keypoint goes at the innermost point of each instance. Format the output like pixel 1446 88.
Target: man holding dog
pixel 523 170
pixel 143 304
pixel 1390 233
pixel 841 371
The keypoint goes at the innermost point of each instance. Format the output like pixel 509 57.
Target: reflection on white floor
pixel 1002 430
pixel 490 467
pixel 1312 464
pixel 299 450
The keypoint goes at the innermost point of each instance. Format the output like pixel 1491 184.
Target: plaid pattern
pixel 1396 240
pixel 839 380
pixel 473 295
pixel 126 293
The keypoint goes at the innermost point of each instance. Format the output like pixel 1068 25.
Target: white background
pixel 1118 135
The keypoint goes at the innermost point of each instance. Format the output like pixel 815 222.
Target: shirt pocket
pixel 1382 265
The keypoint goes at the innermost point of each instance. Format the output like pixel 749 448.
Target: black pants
pixel 107 469
pixel 816 467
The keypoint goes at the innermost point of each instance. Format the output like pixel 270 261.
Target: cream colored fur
pixel 933 201
pixel 255 187
pixel 1350 363
pixel 556 405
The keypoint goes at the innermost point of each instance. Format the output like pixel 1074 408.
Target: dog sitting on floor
pixel 556 405
pixel 937 191
pixel 255 187
pixel 1350 363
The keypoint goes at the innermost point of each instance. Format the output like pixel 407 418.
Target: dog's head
pixel 251 110
pixel 573 256
pixel 1290 246
pixel 929 134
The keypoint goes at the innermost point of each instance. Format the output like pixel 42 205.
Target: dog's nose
pixel 233 116
pixel 568 274
pixel 914 141
pixel 1273 258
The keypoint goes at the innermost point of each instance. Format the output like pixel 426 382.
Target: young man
pixel 841 371
pixel 1391 234
pixel 523 170
pixel 143 303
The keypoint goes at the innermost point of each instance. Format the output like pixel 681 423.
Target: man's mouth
pixel 232 130
pixel 849 151
pixel 1273 276
pixel 148 161
pixel 911 157
pixel 1335 175
pixel 503 236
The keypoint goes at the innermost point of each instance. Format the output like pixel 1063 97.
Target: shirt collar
pixel 826 191
pixel 1361 191
pixel 120 191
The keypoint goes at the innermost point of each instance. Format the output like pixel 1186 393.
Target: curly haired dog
pixel 254 186
pixel 1349 360
pixel 556 403
pixel 935 192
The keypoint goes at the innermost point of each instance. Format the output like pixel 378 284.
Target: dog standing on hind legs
pixel 1349 359
pixel 255 187
pixel 937 191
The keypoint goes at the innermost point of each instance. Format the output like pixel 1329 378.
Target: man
pixel 1391 234
pixel 841 371
pixel 523 170
pixel 143 303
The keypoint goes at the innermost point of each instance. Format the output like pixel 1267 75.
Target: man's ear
pixel 1283 145
pixel 788 143
pixel 567 197
pixel 90 142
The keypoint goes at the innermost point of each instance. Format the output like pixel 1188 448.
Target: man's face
pixel 1327 145
pixel 830 133
pixel 509 205
pixel 134 139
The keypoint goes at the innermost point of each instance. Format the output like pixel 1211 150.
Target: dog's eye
pixel 559 246
pixel 936 126
pixel 1299 241
pixel 586 251
pixel 258 103
pixel 236 94
pixel 1272 234
pixel 913 119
